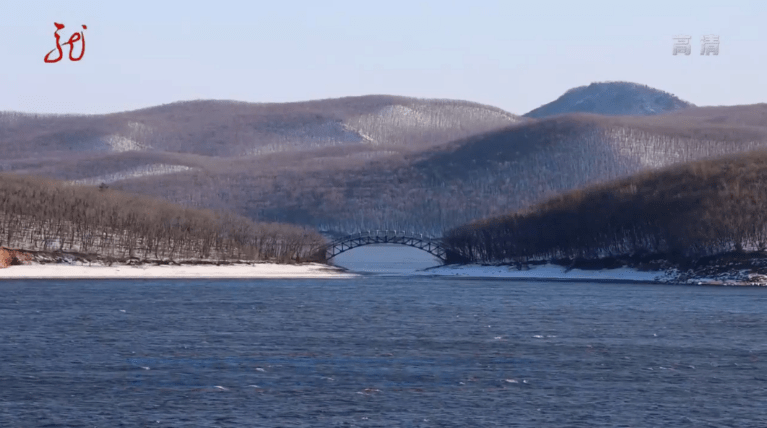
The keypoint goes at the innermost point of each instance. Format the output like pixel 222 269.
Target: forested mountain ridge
pixel 480 176
pixel 234 129
pixel 612 98
pixel 193 143
pixel 210 139
pixel 49 216
pixel 680 213
pixel 432 165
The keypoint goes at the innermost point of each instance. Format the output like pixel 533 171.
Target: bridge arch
pixel 432 246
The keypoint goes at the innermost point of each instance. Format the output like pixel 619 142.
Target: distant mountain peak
pixel 612 98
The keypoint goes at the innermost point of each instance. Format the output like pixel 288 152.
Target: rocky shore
pixel 10 257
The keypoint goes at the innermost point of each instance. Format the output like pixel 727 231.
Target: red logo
pixel 76 37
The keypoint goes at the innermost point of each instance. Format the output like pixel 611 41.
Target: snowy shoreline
pixel 552 272
pixel 548 271
pixel 190 271
pixel 545 272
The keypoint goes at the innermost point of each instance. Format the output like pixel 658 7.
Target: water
pixel 386 259
pixel 380 352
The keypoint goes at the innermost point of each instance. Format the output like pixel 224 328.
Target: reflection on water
pixel 386 259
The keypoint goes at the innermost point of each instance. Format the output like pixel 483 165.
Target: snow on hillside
pixel 657 150
pixel 142 171
pixel 330 133
pixel 371 155
pixel 394 124
pixel 118 143
pixel 612 98
pixel 296 146
pixel 421 121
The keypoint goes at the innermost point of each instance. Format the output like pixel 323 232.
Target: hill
pixel 473 163
pixel 682 213
pixel 236 129
pixel 612 98
pixel 53 217
pixel 204 153
pixel 484 175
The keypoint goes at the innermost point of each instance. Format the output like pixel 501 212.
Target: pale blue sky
pixel 514 55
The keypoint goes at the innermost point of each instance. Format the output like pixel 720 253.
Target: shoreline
pixel 554 272
pixel 180 271
pixel 264 270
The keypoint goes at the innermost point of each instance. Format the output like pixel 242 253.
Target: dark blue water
pixel 375 352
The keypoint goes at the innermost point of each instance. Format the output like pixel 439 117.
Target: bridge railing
pixel 386 233
pixel 395 233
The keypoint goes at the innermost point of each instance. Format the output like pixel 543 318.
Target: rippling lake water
pixel 379 352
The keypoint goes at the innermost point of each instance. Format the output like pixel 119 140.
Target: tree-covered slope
pixel 46 215
pixel 421 165
pixel 612 98
pixel 686 211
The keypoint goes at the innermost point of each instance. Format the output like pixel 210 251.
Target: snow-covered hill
pixel 612 98
pixel 356 163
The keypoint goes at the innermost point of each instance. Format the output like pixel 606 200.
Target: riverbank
pixel 545 272
pixel 728 270
pixel 720 275
pixel 149 271
pixel 19 264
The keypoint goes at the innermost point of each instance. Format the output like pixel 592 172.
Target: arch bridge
pixel 431 245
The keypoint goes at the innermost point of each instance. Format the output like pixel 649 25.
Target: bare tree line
pixel 43 215
pixel 683 212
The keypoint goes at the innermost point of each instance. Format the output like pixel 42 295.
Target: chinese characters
pixel 709 44
pixel 682 45
pixel 76 37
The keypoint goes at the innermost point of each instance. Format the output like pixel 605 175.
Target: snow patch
pixel 142 171
pixel 395 124
pixel 371 155
pixel 309 136
pixel 548 271
pixel 258 270
pixel 118 143
pixel 656 150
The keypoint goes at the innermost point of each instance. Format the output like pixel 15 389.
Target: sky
pixel 510 54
